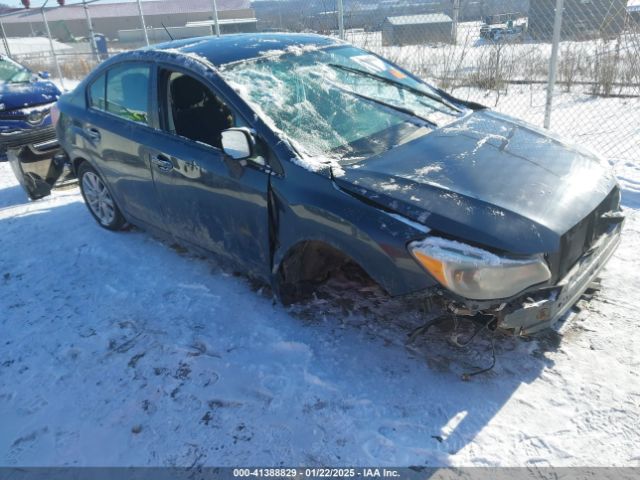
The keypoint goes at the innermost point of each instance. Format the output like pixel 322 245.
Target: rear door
pixel 118 134
pixel 208 199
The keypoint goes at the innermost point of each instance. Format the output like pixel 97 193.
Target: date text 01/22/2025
pixel 315 472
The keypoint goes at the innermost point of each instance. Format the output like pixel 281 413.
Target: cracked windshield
pixel 359 104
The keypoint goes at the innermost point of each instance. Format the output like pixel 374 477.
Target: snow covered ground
pixel 67 84
pixel 24 45
pixel 119 349
pixel 116 349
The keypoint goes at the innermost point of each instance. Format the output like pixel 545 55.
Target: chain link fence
pixel 69 40
pixel 58 40
pixel 575 69
pixel 569 65
pixel 572 66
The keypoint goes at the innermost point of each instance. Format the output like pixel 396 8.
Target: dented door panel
pixel 213 201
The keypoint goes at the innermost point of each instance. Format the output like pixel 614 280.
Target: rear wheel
pixel 96 195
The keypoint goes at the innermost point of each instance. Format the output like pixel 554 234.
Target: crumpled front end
pixel 524 302
pixel 540 310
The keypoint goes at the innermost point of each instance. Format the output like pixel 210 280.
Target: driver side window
pixel 192 110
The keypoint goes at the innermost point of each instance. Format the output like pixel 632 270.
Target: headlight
pixel 475 273
pixel 55 114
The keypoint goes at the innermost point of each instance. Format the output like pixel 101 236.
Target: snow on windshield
pixel 11 71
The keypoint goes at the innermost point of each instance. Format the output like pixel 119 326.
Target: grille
pixel 23 113
pixel 577 241
pixel 18 115
pixel 27 137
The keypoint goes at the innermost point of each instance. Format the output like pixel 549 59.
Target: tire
pixel 98 198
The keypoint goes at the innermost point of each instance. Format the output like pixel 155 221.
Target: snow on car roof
pixel 233 48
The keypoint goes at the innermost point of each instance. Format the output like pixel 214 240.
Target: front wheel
pixel 96 195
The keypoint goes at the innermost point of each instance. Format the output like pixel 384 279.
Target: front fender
pixel 309 207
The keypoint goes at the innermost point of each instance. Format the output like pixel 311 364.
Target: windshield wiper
pixel 406 111
pixel 397 84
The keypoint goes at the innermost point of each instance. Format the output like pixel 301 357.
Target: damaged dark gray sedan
pixel 291 155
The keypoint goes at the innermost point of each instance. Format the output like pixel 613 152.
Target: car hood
pixel 28 94
pixel 489 179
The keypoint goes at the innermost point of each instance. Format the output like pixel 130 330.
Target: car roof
pixel 237 47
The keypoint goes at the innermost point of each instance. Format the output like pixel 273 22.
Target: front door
pixel 208 199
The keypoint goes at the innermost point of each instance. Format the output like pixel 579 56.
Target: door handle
pixel 93 133
pixel 162 162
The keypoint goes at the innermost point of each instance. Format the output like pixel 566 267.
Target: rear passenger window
pixel 97 93
pixel 128 92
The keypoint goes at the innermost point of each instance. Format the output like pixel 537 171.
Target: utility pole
pixel 53 51
pixel 553 63
pixel 144 27
pixel 216 22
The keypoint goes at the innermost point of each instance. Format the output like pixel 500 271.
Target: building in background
pixel 108 19
pixel 417 29
pixel 321 15
pixel 633 9
pixel 582 19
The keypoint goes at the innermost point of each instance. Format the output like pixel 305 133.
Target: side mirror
pixel 44 75
pixel 237 143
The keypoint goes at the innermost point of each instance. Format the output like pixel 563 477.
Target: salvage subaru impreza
pixel 290 155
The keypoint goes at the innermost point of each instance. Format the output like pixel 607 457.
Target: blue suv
pixel 27 132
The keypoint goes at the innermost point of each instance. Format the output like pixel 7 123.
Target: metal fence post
pixel 92 38
pixel 144 27
pixel 553 63
pixel 456 16
pixel 216 22
pixel 341 19
pixel 53 51
pixel 5 40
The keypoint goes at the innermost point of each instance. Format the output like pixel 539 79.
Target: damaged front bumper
pixel 537 310
pixel 542 309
